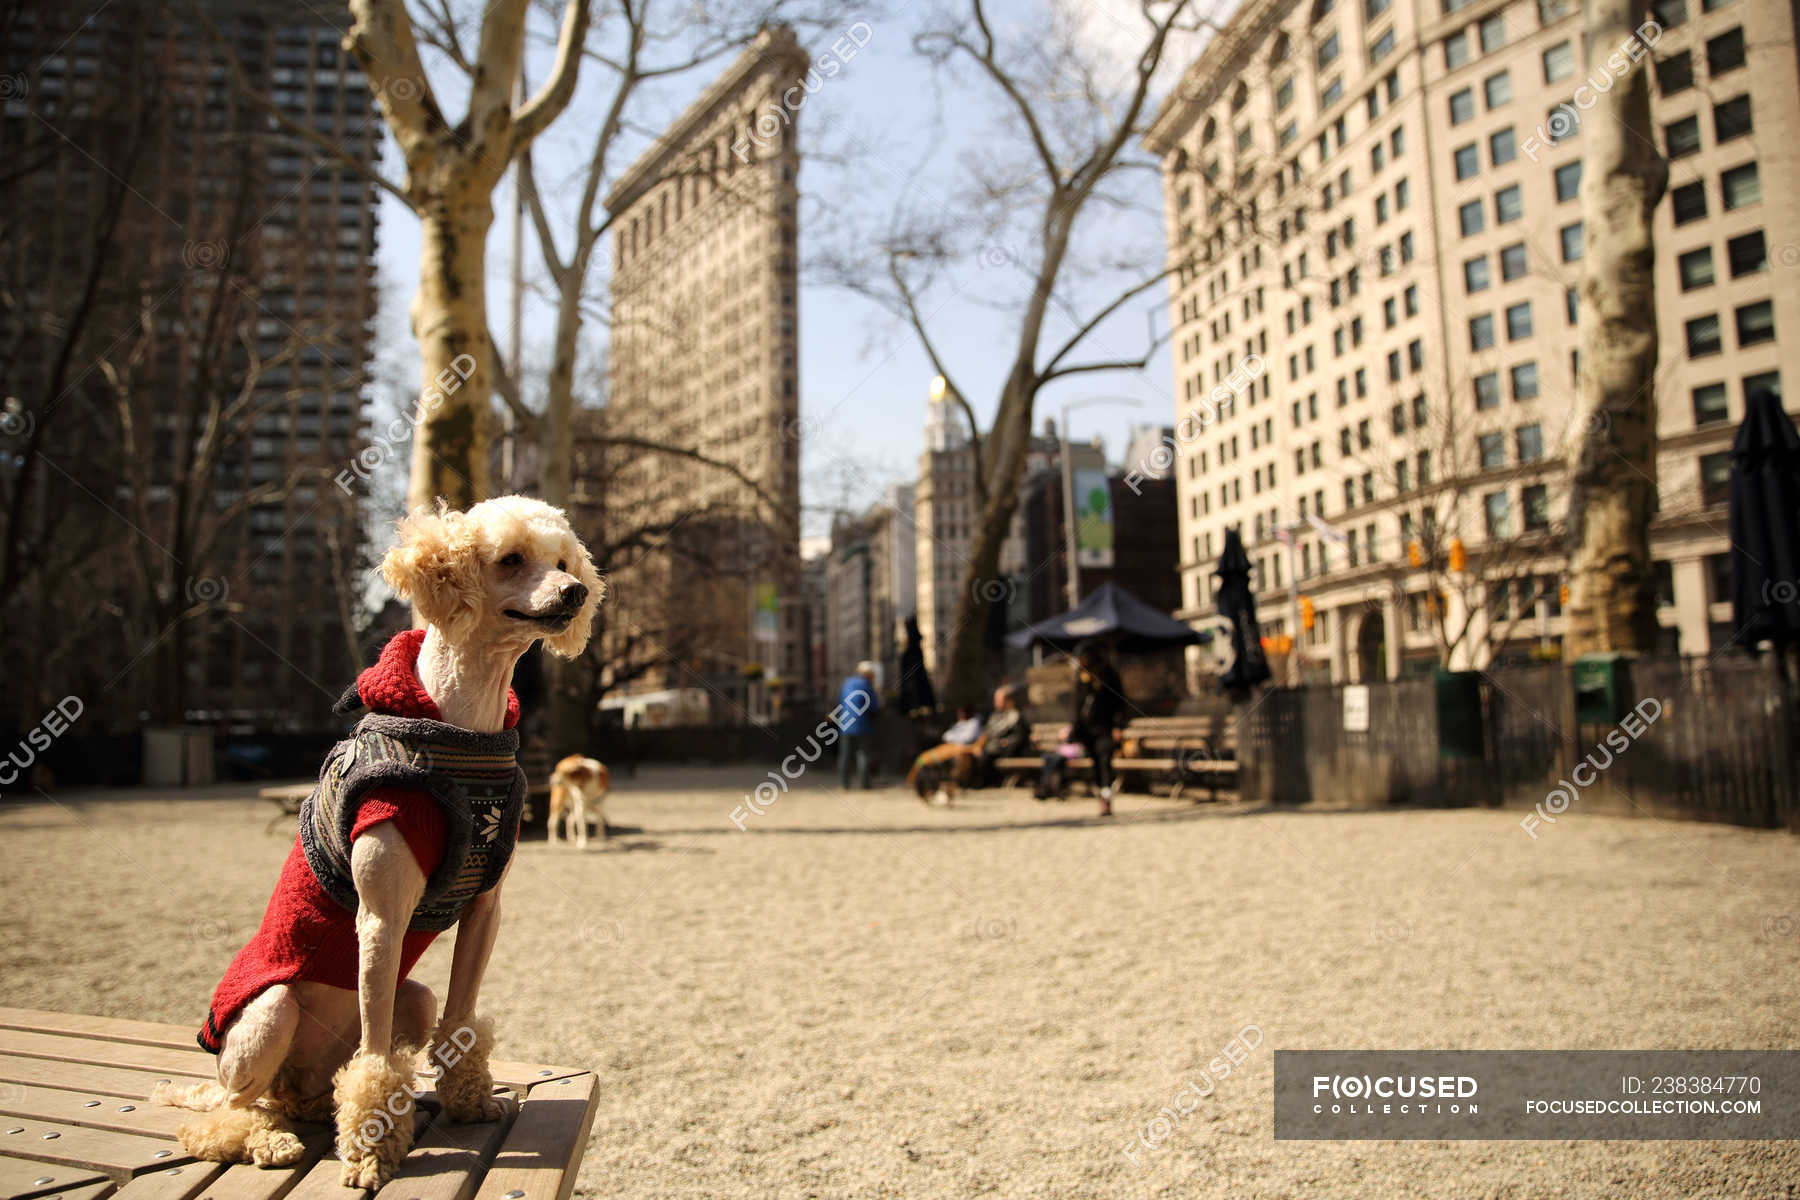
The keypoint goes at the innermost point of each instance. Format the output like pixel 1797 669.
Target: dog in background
pixel 578 788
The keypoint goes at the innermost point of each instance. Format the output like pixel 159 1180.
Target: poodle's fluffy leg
pixel 247 1133
pixel 374 1098
pixel 465 1087
pixel 233 1126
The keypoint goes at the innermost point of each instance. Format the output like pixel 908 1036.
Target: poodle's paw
pixel 465 1087
pixel 374 1117
pixel 276 1148
pixel 476 1110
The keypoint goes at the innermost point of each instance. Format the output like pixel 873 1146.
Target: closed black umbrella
pixel 1237 605
pixel 1765 524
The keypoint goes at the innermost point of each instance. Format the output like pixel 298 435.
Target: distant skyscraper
pixel 705 355
pixel 244 260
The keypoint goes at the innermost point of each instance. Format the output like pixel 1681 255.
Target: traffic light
pixel 1459 557
pixel 1415 553
pixel 1564 594
pixel 1307 616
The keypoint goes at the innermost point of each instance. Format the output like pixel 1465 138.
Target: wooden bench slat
pixel 90 1111
pixel 523 1076
pixel 85 1077
pixel 135 1055
pixel 320 1181
pixel 91 1191
pixel 104 1029
pixel 19 1178
pixel 447 1161
pixel 172 1183
pixel 545 1143
pixel 119 1155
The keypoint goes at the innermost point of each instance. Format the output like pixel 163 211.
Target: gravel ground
pixel 857 995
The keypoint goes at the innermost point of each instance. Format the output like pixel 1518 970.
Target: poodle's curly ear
pixel 433 563
pixel 573 640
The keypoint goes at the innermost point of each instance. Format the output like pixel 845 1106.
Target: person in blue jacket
pixel 857 702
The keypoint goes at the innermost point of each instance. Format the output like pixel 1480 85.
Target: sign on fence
pixel 1356 708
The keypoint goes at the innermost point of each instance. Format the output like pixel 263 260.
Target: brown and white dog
pixel 578 788
pixel 487 583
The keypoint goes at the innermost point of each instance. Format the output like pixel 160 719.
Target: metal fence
pixel 1718 744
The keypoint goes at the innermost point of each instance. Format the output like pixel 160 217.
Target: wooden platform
pixel 74 1125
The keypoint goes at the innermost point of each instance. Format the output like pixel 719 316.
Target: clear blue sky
pixel 904 135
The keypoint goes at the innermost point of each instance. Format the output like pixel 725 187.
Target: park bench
pixel 75 1125
pixel 1181 750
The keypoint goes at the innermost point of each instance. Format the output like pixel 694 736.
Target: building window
pixel 1512 262
pixel 1456 49
pixel 1535 500
pixel 1571 242
pixel 1470 217
pixel 1559 62
pixel 1703 336
pixel 1682 137
pixel 1508 205
pixel 1755 324
pixel 1564 117
pixel 1695 268
pixel 1397 141
pixel 1493 33
pixel 1715 478
pixel 1393 366
pixel 1481 331
pixel 1328 51
pixel 1710 406
pixel 1418 415
pixel 1462 107
pixel 1525 381
pixel 1467 160
pixel 1494 508
pixel 1492 447
pixel 1397 419
pixel 1568 181
pixel 1665 582
pixel 1747 254
pixel 1289 132
pixel 1740 186
pixel 1402 195
pixel 1501 147
pixel 1487 391
pixel 1384 46
pixel 1675 73
pixel 1572 304
pixel 1669 13
pixel 1518 322
pixel 1732 119
pixel 1688 202
pixel 1497 89
pixel 1334 91
pixel 1410 298
pixel 1406 247
pixel 1769 381
pixel 1529 441
pixel 1725 52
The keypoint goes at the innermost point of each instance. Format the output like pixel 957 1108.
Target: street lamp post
pixel 1068 488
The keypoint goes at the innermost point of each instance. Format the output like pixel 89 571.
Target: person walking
pixel 858 701
pixel 1099 713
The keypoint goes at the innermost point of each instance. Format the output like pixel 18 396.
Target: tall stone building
pixel 946 511
pixel 870 588
pixel 705 355
pixel 230 299
pixel 1372 210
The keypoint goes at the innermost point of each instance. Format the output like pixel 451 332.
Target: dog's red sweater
pixel 305 934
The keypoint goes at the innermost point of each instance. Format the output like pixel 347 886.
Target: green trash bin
pixel 1459 714
pixel 1602 688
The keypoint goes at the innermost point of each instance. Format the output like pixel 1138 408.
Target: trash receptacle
pixel 178 756
pixel 1459 714
pixel 1602 688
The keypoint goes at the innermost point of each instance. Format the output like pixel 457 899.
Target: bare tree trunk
pixel 451 171
pixel 449 313
pixel 1612 463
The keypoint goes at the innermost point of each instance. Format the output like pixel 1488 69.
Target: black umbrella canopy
pixel 1237 605
pixel 1765 524
pixel 1108 611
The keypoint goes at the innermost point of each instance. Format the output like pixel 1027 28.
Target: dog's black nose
pixel 574 595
